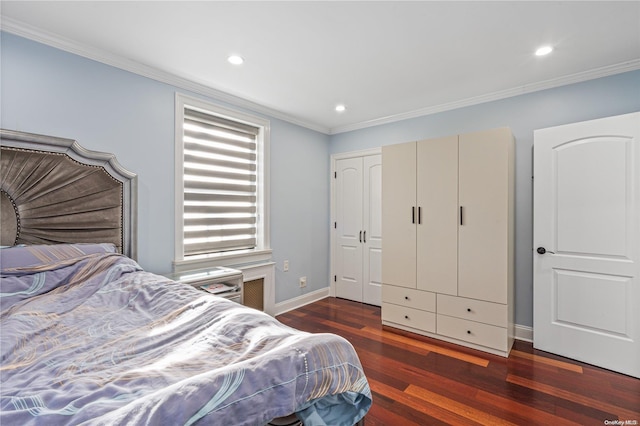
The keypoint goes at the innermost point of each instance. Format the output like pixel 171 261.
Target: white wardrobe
pixel 447 253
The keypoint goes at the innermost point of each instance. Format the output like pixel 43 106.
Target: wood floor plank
pixel 527 411
pixel 464 410
pixel 596 386
pixel 416 380
pixel 420 405
pixel 543 360
pixel 381 416
pixel 584 400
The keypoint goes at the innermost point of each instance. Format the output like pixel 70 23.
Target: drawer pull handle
pixel 468 331
pixel 468 309
pixel 406 317
pixel 406 298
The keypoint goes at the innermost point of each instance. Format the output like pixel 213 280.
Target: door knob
pixel 542 250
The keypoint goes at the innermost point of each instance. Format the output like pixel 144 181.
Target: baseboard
pixel 524 332
pixel 297 302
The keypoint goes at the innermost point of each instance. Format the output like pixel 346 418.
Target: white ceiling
pixel 385 60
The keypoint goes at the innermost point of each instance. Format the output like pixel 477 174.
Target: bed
pixel 88 337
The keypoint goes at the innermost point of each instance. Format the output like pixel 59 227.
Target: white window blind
pixel 220 192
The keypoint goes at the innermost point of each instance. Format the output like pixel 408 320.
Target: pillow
pixel 38 255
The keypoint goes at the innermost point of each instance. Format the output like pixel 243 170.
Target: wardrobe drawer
pixel 473 332
pixel 411 298
pixel 474 310
pixel 409 317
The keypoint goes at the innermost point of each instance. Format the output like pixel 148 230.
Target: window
pixel 221 191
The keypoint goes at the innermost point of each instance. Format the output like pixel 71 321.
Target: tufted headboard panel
pixel 52 190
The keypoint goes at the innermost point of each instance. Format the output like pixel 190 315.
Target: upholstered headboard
pixel 52 190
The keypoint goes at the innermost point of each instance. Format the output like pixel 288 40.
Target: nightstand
pixel 218 275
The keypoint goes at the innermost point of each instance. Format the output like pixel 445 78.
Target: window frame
pixel 262 252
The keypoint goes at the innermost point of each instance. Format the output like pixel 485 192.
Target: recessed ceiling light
pixel 341 108
pixel 235 60
pixel 544 50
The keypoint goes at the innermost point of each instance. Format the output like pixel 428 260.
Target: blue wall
pixel 48 91
pixel 597 98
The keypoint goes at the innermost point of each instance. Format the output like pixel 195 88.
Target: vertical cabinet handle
pixel 360 236
pixel 461 221
pixel 364 236
pixel 413 214
pixel 419 215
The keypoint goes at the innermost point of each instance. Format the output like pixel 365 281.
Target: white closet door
pixel 399 214
pixel 372 230
pixel 587 242
pixel 438 215
pixel 483 258
pixel 349 227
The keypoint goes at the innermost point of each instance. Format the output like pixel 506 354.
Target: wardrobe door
pixel 483 251
pixel 437 230
pixel 399 214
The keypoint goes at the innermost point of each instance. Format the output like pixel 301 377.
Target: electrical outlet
pixel 303 282
pixel 285 266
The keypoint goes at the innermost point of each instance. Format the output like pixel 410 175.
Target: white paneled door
pixel 587 242
pixel 372 230
pixel 358 226
pixel 348 225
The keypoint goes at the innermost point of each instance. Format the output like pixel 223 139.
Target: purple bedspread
pixel 96 340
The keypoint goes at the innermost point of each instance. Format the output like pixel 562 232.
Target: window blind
pixel 220 192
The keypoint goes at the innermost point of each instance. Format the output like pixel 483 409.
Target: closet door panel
pixel 349 227
pixel 484 208
pixel 437 194
pixel 399 212
pixel 372 229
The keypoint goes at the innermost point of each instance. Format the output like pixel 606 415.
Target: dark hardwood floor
pixel 421 381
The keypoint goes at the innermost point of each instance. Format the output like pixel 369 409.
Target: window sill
pixel 222 259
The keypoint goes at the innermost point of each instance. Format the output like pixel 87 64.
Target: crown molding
pixel 54 40
pixel 36 34
pixel 502 94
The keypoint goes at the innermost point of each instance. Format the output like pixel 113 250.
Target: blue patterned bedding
pixel 94 339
